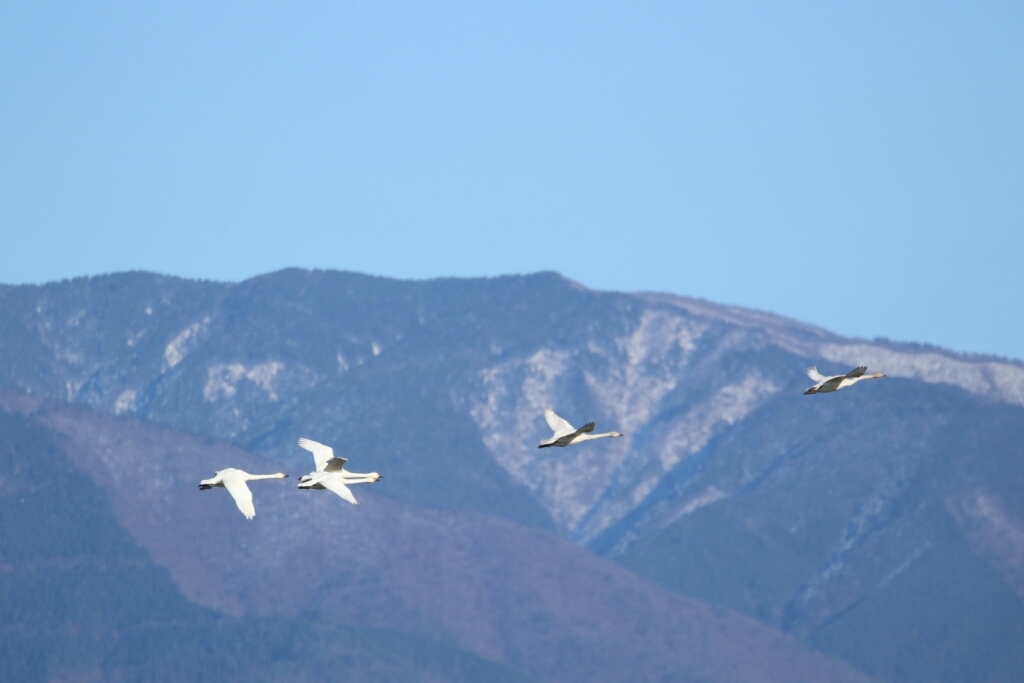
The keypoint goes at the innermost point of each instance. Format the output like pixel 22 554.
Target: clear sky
pixel 855 165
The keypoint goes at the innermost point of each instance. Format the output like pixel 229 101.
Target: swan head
pixel 614 435
pixel 876 375
pixel 376 476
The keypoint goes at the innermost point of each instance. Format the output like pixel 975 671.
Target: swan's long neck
pixel 590 437
pixel 364 479
pixel 255 477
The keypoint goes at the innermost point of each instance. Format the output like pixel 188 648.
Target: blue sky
pixel 855 165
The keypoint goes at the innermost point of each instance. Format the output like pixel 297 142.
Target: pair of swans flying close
pixel 567 435
pixel 330 472
pixel 826 384
pixel 234 481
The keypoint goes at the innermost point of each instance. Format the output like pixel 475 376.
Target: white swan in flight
pixel 234 481
pixel 827 384
pixel 567 435
pixel 330 472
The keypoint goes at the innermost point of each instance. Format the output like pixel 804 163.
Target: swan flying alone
pixel 234 481
pixel 330 472
pixel 837 382
pixel 566 435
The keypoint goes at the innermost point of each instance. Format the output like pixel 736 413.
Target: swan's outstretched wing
pixel 242 495
pixel 566 438
pixel 559 426
pixel 335 465
pixel 858 371
pixel 335 484
pixel 815 376
pixel 321 453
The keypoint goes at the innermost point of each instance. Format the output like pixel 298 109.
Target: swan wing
pixel 815 376
pixel 242 495
pixel 858 371
pixel 571 436
pixel 321 453
pixel 559 426
pixel 335 465
pixel 335 484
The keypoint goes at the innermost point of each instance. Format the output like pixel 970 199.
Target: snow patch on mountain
pixel 125 402
pixel 516 393
pixel 587 489
pixel 643 367
pixel 729 405
pixel 185 342
pixel 687 433
pixel 222 380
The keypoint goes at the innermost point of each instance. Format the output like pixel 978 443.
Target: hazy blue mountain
pixel 906 560
pixel 881 524
pixel 80 600
pixel 143 576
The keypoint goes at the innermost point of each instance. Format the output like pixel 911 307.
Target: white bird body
pixel 835 383
pixel 234 481
pixel 330 472
pixel 567 435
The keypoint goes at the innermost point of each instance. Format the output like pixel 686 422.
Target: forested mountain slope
pixel 825 516
pixel 81 600
pixel 314 587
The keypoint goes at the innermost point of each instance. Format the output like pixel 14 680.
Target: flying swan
pixel 330 473
pixel 567 435
pixel 234 481
pixel 827 384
